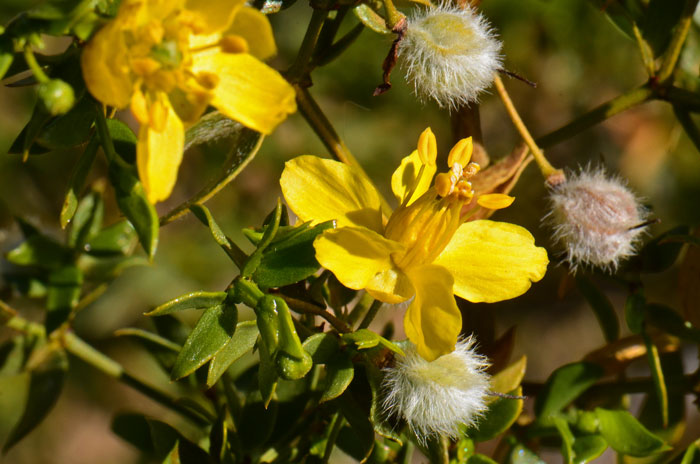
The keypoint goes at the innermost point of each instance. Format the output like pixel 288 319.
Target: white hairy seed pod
pixel 596 218
pixel 450 54
pixel 436 397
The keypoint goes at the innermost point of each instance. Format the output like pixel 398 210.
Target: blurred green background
pixel 578 59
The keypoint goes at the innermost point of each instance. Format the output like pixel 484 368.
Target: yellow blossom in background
pixel 426 251
pixel 169 59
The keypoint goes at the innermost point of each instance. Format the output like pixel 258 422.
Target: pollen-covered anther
pixel 464 190
pixel 471 170
pixel 144 66
pixel 207 80
pixel 427 147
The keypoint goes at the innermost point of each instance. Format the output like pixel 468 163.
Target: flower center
pixel 427 225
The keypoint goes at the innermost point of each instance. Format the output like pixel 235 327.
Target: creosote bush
pixel 345 324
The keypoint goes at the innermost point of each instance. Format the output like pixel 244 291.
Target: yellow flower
pixel 426 250
pixel 169 59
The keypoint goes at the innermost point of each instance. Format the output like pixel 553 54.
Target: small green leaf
pixel 371 19
pixel 509 378
pixel 132 201
pixel 242 341
pixel 149 339
pixel 70 129
pixel 634 311
pixel 603 309
pixel 659 255
pixel 692 454
pixel 194 300
pixel 626 435
pixel 112 240
pixel 357 440
pixel 210 334
pixel 365 339
pixel 502 413
pixel 46 383
pixel 565 385
pixel 339 373
pixel 519 454
pixel 124 140
pixel 322 347
pixel 588 448
pixel 567 439
pixel 290 260
pixel 377 416
pixel 480 459
pixel 657 376
pixel 670 321
pixel 204 215
pixel 40 251
pixel 77 181
pixel 87 220
pixel 63 294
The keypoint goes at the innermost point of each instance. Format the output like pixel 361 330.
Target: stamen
pixel 461 153
pixel 233 44
pixel 427 147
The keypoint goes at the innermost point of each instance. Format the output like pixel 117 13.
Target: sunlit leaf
pixel 626 435
pixel 194 300
pixel 565 385
pixel 339 373
pixel 242 341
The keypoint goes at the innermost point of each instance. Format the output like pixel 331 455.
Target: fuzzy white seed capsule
pixel 450 54
pixel 596 218
pixel 436 397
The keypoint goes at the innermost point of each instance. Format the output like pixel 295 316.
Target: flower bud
pixel 450 54
pixel 596 218
pixel 437 397
pixel 57 96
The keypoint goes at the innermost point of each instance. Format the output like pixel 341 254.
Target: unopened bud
pixel 596 218
pixel 450 54
pixel 57 96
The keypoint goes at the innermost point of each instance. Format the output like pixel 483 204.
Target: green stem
pixel 617 105
pixel 335 426
pixel 371 314
pixel 103 132
pixel 99 361
pixel 324 130
pixel 645 50
pixel 301 306
pixel 34 64
pixel 688 124
pixel 673 51
pixel 299 68
pixel 360 309
pixel 687 99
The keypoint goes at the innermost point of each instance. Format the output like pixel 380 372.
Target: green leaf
pixel 626 435
pixel 242 341
pixel 501 414
pixel 567 439
pixel 588 447
pixel 204 215
pixel 322 347
pixel 480 459
pixel 565 385
pixel 371 19
pixel 692 454
pixel 70 129
pixel 659 255
pixel 24 144
pixel 509 378
pixel 149 339
pixel 45 385
pixel 519 454
pixel 194 300
pixel 290 260
pixel 113 240
pixel 657 376
pixel 87 220
pixel 634 311
pixel 601 306
pixel 63 294
pixel 6 56
pixel 124 140
pixel 132 201
pixel 77 181
pixel 339 373
pixel 365 339
pixel 377 416
pixel 670 321
pixel 357 440
pixel 267 375
pixel 210 334
pixel 54 9
pixel 39 250
pixel 658 23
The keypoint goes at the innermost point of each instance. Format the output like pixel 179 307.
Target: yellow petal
pixel 405 176
pixel 248 91
pixel 356 256
pixel 216 15
pixel 432 321
pixel 158 155
pixel 495 200
pixel 106 68
pixel 255 28
pixel 493 261
pixel 318 189
pixel 391 286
